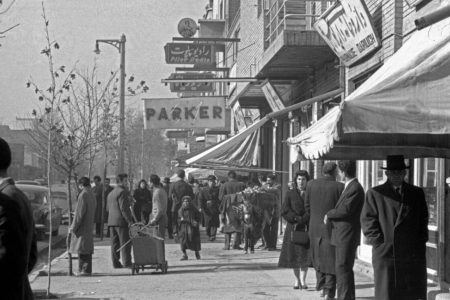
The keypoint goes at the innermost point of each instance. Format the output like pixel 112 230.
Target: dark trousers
pixel 175 221
pixel 98 229
pixel 345 259
pixel 249 238
pixel 85 263
pixel 270 233
pixel 169 224
pixel 237 240
pixel 327 283
pixel 211 231
pixel 120 236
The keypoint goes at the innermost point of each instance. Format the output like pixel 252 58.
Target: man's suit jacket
pixel 231 187
pixel 177 191
pixel 345 223
pixel 119 212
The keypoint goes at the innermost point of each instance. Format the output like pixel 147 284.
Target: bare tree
pixel 4 8
pixel 147 151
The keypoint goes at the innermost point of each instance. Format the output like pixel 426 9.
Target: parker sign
pixel 348 30
pixel 183 113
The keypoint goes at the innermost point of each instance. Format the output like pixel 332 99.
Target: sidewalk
pixel 218 275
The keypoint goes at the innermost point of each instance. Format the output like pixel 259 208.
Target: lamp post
pixel 119 45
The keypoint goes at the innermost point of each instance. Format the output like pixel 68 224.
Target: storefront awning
pixel 240 150
pixel 403 108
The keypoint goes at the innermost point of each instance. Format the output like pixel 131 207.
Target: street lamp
pixel 119 45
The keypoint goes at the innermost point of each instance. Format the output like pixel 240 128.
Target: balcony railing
pixel 295 15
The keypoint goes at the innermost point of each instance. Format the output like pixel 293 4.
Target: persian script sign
pixel 185 53
pixel 191 86
pixel 184 113
pixel 348 30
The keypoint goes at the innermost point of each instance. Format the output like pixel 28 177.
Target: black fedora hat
pixel 395 163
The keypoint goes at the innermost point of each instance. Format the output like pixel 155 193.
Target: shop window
pixel 427 170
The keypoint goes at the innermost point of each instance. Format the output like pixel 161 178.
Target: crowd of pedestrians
pixel 324 220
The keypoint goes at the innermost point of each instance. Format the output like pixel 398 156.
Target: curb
pixel 56 243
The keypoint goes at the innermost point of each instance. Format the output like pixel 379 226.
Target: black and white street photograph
pixel 225 149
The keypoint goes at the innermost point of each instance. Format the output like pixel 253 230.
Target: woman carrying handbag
pixel 295 248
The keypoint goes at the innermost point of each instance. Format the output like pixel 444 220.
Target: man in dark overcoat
pixel 26 221
pixel 394 220
pixel 321 196
pixel 82 239
pixel 166 186
pixel 177 191
pixel 97 190
pixel 119 220
pixel 346 229
pixel 108 189
pixel 232 186
pixel 209 204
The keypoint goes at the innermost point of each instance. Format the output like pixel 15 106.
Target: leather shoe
pixel 118 266
pixel 197 255
pixel 184 257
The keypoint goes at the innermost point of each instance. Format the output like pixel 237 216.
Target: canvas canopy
pixel 403 108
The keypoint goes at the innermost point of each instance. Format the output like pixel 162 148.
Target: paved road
pixel 218 275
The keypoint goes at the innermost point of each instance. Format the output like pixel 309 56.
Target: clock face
pixel 187 27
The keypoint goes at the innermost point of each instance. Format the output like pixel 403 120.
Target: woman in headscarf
pixel 189 221
pixel 293 211
pixel 143 202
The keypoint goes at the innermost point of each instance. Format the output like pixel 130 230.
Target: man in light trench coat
pixel 82 242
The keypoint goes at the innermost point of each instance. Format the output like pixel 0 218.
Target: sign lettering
pixel 192 86
pixel 185 53
pixel 348 30
pixel 182 113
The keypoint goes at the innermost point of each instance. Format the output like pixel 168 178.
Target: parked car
pixel 39 200
pixel 31 182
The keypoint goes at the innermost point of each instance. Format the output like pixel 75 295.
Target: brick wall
pixel 251 33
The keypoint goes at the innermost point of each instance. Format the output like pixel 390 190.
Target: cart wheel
pixel 133 269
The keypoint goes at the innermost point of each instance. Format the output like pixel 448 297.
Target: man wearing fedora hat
pixel 394 220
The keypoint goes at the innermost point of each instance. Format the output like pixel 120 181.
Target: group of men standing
pixel 394 219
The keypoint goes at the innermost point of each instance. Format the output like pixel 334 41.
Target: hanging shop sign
pixel 184 113
pixel 205 86
pixel 348 29
pixel 272 97
pixel 187 27
pixel 199 54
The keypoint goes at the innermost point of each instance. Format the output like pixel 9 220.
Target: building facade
pixel 286 62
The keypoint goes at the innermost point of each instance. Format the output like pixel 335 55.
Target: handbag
pixel 300 237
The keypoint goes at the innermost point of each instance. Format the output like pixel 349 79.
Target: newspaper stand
pixel 148 249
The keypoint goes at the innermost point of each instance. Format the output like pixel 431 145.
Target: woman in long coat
pixel 293 211
pixel 189 222
pixel 143 205
pixel 82 239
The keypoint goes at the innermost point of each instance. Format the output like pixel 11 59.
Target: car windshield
pixel 36 197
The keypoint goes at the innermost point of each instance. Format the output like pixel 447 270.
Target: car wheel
pixel 55 232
